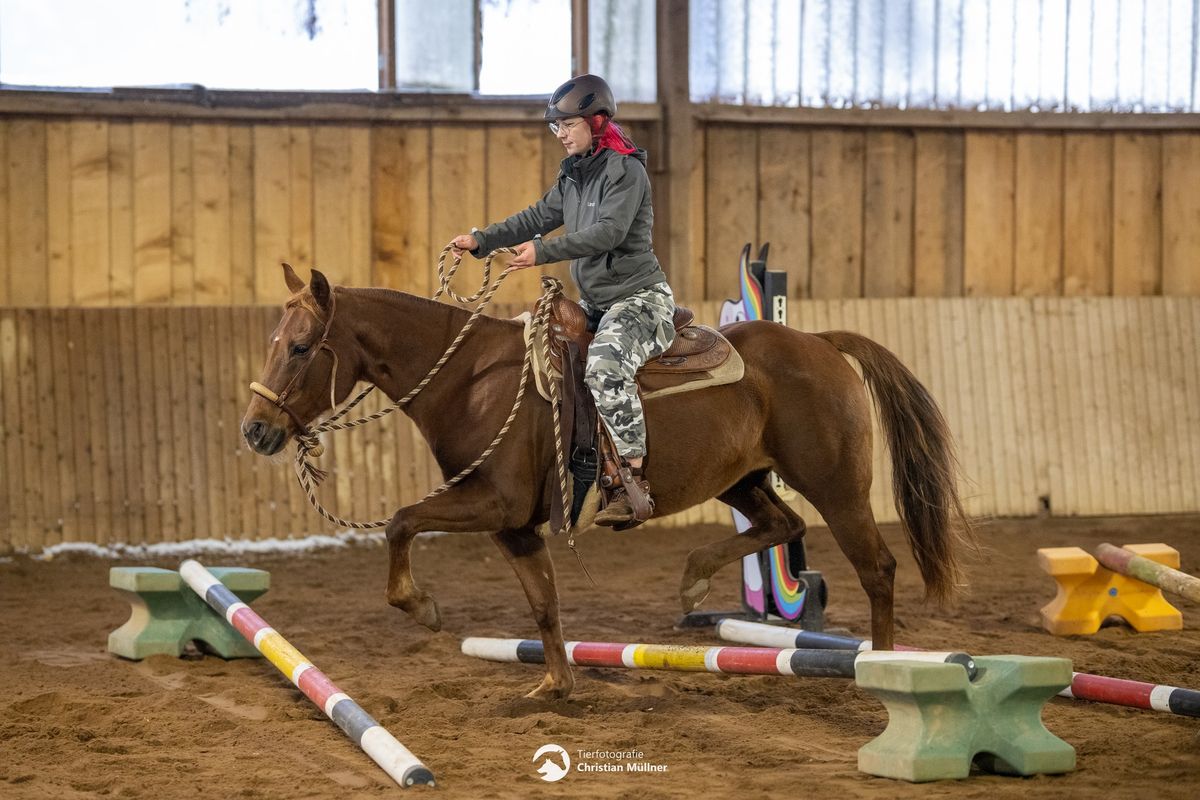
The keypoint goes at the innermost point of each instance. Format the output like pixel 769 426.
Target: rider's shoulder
pixel 620 164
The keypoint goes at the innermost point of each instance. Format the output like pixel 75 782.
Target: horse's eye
pixel 299 349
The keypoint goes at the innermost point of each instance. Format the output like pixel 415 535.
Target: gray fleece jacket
pixel 603 199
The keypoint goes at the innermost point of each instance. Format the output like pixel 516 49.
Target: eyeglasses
pixel 558 126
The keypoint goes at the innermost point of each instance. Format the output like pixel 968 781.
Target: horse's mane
pixel 304 299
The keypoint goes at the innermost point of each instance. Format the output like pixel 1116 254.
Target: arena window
pixel 221 44
pixel 1039 55
pixel 525 46
pixel 485 47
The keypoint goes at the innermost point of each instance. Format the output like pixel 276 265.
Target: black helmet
pixel 581 96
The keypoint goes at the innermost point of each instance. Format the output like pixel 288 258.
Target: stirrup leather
pixel 635 491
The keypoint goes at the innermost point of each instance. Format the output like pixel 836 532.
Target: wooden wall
pixel 112 212
pixel 121 425
pixel 101 211
pixel 139 275
pixel 902 212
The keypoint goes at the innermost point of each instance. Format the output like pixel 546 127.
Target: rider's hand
pixel 463 243
pixel 525 257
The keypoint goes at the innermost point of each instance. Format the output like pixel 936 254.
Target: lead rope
pixel 552 288
pixel 308 442
pixel 444 279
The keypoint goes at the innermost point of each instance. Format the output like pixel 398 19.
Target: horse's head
pixel 310 367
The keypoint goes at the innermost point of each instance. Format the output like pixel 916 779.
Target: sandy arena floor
pixel 77 722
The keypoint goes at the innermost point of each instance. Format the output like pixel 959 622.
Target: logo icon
pixel 549 769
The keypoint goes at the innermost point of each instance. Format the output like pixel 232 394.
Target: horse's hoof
pixel 549 690
pixel 426 613
pixel 692 596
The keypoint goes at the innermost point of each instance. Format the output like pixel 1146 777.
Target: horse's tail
pixel 924 467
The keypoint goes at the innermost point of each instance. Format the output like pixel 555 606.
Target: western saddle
pixel 699 356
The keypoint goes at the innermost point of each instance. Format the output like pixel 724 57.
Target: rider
pixel 602 195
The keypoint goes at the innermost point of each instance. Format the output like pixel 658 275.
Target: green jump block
pixel 939 721
pixel 167 614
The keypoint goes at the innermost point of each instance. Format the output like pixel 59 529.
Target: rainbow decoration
pixel 1096 688
pixel 815 663
pixel 752 578
pixel 395 759
pixel 787 591
pixel 752 292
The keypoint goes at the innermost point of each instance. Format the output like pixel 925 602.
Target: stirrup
pixel 631 503
pixel 639 499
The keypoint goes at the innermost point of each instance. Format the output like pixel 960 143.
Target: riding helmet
pixel 582 96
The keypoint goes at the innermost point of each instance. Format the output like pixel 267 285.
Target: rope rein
pixel 308 444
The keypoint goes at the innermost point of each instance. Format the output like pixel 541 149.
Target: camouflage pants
pixel 631 332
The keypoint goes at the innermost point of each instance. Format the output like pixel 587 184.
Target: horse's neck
pixel 402 336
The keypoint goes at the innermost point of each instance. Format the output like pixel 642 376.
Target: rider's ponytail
pixel 609 135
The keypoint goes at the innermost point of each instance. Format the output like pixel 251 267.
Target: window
pixel 1046 55
pixel 503 47
pixel 435 45
pixel 526 46
pixel 621 47
pixel 224 44
pixel 490 47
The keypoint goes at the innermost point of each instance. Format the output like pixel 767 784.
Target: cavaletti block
pixel 1088 593
pixel 166 615
pixel 939 720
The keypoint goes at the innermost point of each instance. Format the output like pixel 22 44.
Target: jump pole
pixel 1096 688
pixel 1122 561
pixel 383 748
pixel 814 663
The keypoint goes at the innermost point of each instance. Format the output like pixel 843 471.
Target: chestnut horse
pixel 801 410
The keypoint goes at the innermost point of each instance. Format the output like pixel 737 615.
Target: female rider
pixel 602 196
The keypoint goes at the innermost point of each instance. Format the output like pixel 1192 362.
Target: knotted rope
pixel 308 443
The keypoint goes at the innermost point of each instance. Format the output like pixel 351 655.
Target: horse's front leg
pixel 466 507
pixel 529 557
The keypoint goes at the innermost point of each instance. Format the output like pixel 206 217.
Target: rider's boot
pixel 631 503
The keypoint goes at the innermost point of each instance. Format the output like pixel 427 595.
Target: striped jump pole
pixel 1096 688
pixel 395 759
pixel 763 635
pixel 1130 564
pixel 826 663
pixel 1135 694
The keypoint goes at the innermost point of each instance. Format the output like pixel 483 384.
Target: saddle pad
pixel 654 381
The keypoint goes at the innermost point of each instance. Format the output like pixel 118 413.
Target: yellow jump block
pixel 1088 592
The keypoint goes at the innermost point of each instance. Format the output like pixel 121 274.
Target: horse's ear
pixel 320 289
pixel 294 283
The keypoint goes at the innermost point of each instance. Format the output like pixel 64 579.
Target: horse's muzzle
pixel 264 439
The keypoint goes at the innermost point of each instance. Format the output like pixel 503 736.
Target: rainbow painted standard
pixel 685 658
pixel 775 582
pixel 383 748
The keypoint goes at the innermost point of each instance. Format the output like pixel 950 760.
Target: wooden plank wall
pixel 97 212
pixel 121 425
pixel 882 212
pixel 113 212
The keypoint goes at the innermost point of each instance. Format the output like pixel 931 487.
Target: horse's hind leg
pixel 772 523
pixel 853 527
pixel 526 552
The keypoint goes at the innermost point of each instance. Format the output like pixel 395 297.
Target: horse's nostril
pixel 253 432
